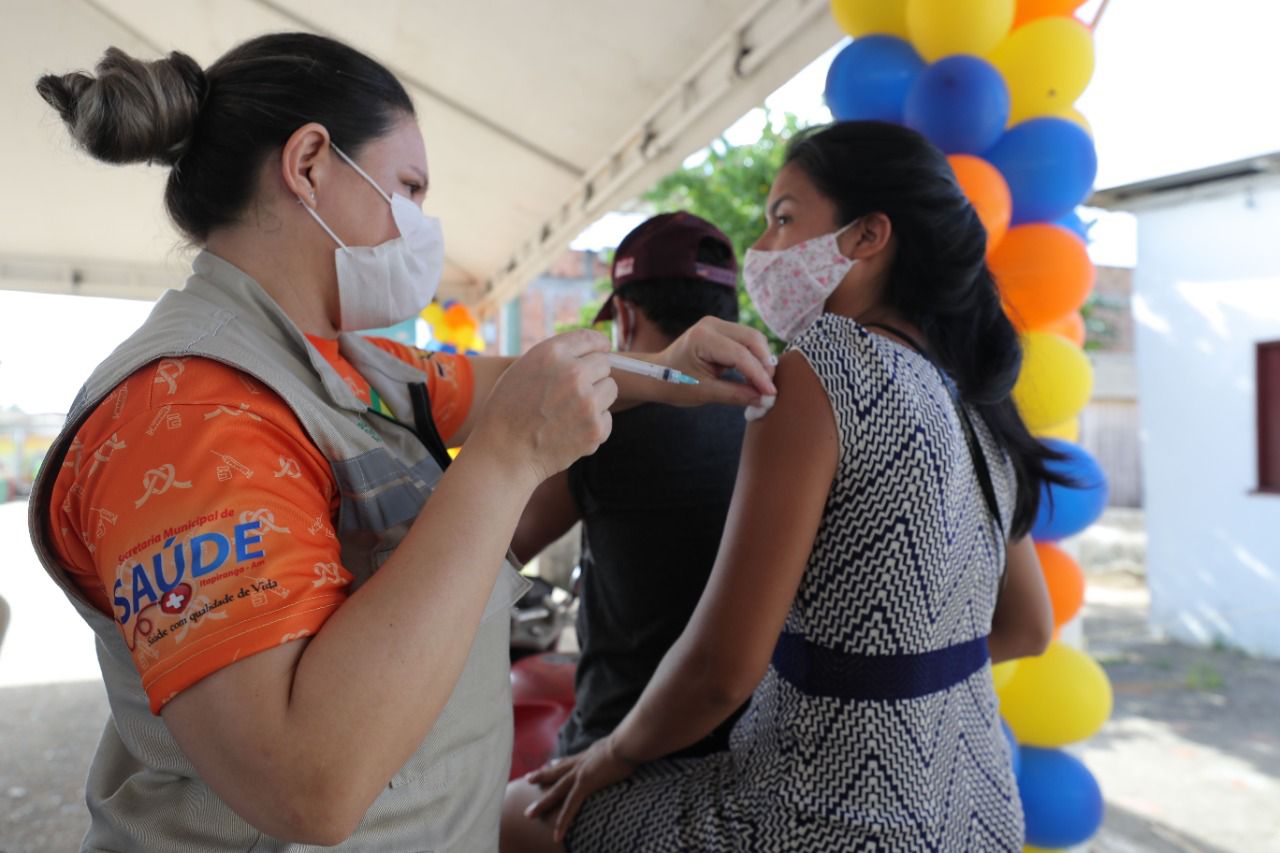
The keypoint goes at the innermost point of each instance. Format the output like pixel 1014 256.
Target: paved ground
pixel 1190 760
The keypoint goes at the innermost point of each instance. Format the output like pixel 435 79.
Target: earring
pixel 313 196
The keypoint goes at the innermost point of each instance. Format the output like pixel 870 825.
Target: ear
pixel 869 236
pixel 623 316
pixel 306 161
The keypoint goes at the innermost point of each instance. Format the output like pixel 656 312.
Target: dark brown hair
pixel 216 127
pixel 939 279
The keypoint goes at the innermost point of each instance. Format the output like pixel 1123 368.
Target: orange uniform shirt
pixel 194 509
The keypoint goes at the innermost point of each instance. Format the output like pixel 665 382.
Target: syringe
pixel 655 371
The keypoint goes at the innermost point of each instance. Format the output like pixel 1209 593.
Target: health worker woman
pixel 301 606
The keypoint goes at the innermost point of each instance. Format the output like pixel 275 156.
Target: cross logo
pixel 177 599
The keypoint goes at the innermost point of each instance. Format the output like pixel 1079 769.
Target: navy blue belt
pixel 818 671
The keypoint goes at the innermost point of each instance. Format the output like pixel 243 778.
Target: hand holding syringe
pixel 670 374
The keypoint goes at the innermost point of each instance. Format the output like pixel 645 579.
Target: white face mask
pixel 790 286
pixel 382 285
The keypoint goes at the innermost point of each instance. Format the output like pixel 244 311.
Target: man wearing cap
pixel 653 498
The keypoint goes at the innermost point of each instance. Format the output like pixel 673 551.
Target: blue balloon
pixel 449 348
pixel 1060 798
pixel 960 103
pixel 1073 222
pixel 1015 754
pixel 1049 164
pixel 869 79
pixel 1066 510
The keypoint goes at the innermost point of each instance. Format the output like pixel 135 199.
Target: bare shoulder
pixel 803 408
pixel 801 425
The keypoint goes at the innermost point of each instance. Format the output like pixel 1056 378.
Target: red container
pixel 537 723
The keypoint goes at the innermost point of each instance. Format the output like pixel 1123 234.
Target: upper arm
pixel 1023 619
pixel 224 726
pixel 550 513
pixel 789 459
pixel 203 520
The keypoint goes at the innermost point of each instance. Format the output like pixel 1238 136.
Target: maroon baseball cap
pixel 666 247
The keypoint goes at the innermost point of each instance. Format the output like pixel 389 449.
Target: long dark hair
pixel 215 127
pixel 939 279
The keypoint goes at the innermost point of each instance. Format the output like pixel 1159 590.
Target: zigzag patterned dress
pixel 875 727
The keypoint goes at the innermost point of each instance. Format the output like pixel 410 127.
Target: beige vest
pixel 143 794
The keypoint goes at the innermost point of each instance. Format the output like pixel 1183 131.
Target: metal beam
pixel 88 277
pixel 765 47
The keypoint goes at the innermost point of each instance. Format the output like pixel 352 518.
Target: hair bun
pixel 132 110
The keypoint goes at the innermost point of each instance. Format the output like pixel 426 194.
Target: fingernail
pixel 773 361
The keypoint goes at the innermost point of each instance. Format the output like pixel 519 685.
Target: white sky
pixel 1179 84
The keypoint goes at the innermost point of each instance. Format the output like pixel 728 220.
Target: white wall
pixel 1206 289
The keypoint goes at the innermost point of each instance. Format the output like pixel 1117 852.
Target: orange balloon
pixel 1029 10
pixel 1070 327
pixel 1044 273
pixel 459 316
pixel 987 191
pixel 1065 581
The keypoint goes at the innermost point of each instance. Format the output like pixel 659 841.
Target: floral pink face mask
pixel 790 286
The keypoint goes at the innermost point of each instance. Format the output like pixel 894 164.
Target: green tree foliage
pixel 727 188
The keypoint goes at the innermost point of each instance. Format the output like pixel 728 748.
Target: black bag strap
pixel 976 454
pixel 420 398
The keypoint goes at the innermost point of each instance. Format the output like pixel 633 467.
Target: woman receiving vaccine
pixel 875 560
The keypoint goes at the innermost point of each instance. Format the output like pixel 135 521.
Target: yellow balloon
pixel 476 343
pixel 1001 673
pixel 1067 431
pixel 451 335
pixel 1030 849
pixel 1075 115
pixel 1046 64
pixel 1055 382
pixel 1061 697
pixel 433 314
pixel 940 28
pixel 871 17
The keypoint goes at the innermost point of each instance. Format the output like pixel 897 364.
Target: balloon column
pixel 454 328
pixel 993 83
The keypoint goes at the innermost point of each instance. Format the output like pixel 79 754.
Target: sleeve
pixel 204 523
pixel 450 383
